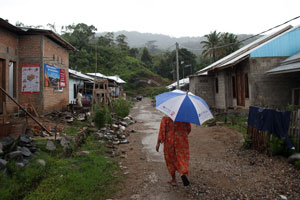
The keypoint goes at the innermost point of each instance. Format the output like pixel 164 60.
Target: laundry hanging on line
pixel 272 121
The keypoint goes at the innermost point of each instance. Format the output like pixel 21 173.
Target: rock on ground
pixel 50 145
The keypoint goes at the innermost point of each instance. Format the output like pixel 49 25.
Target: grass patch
pixel 297 164
pixel 71 130
pixel 92 176
pixel 18 183
pixel 234 121
pixel 79 177
pixel 78 124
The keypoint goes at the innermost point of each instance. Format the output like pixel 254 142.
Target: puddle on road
pixel 152 122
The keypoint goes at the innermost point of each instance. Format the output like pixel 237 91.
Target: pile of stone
pixel 116 133
pixel 65 116
pixel 20 150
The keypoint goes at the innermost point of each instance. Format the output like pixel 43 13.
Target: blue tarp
pixel 272 121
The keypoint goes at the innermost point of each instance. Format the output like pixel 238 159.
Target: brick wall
pixel 40 50
pixel 220 96
pixel 271 90
pixel 56 56
pixel 33 49
pixel 30 52
pixel 30 46
pixel 10 40
pixel 8 53
pixel 203 86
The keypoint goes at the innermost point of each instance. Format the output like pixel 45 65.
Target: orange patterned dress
pixel 174 136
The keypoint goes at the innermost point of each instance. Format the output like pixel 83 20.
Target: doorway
pixel 2 83
pixel 240 87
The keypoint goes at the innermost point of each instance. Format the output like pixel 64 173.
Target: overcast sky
pixel 176 18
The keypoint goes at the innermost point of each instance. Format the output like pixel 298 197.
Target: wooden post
pixel 25 111
pixel 93 96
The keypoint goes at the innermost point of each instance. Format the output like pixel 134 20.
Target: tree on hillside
pixel 211 45
pixel 146 58
pixel 152 47
pixel 203 61
pixel 165 64
pixel 134 52
pixel 107 40
pixel 79 35
pixel 121 42
pixel 188 60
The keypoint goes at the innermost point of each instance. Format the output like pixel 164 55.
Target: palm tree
pixel 211 45
pixel 229 44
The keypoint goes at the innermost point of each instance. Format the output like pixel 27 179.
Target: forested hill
pixel 136 39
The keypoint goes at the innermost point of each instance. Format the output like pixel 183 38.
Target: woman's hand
pixel 157 147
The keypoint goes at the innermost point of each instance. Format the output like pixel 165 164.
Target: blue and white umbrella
pixel 183 107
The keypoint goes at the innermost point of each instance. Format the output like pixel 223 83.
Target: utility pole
pixel 177 65
pixel 93 97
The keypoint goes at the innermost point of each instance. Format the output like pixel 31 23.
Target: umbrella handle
pixel 187 92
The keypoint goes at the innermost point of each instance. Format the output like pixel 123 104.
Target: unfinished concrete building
pixel 243 78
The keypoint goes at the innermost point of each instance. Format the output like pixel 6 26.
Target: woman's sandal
pixel 172 182
pixel 185 180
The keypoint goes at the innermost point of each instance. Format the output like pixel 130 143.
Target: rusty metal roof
pixel 34 31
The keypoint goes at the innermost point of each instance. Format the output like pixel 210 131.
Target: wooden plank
pixel 3 91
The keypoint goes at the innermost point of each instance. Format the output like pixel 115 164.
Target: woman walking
pixel 174 136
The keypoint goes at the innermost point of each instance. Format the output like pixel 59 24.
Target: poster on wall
pixel 52 76
pixel 62 82
pixel 30 78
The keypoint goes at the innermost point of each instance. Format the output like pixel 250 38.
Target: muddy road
pixel 219 167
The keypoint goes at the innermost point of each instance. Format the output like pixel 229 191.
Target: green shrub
pixel 278 146
pixel 297 164
pixel 102 116
pixel 121 107
pixel 247 142
pixel 157 90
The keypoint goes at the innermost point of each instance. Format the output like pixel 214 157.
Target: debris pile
pixel 117 132
pixel 55 122
pixel 67 117
pixel 20 150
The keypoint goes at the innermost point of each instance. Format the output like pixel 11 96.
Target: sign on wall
pixel 62 82
pixel 55 77
pixel 30 78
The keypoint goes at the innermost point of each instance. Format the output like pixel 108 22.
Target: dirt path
pixel 219 169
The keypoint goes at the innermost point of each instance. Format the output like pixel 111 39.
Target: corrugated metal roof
pixel 283 46
pixel 182 82
pixel 245 51
pixel 34 31
pixel 294 67
pixel 80 75
pixel 291 64
pixel 99 75
pixel 113 78
pixel 117 79
pixel 293 58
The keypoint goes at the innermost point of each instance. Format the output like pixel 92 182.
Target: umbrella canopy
pixel 183 107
